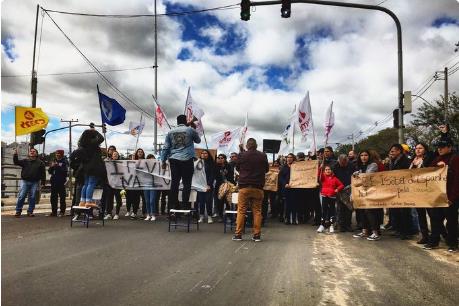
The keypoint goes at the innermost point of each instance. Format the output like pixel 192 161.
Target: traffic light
pixel 286 8
pixel 245 10
pixel 37 137
pixel 396 121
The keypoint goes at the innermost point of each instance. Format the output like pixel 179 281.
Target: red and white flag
pixel 161 119
pixel 305 123
pixel 226 141
pixel 329 122
pixel 194 113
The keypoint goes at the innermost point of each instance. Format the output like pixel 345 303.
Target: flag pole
pixel 102 119
pixel 205 140
pixel 138 133
pixel 165 118
pixel 184 111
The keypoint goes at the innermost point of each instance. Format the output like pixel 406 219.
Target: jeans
pixel 109 195
pixel 181 170
pixel 29 189
pixel 291 206
pixel 249 196
pixel 88 188
pixel 150 200
pixel 205 202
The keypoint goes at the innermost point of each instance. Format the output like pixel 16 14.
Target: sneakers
pixel 201 219
pixel 127 214
pixel 331 230
pixel 237 238
pixel 107 217
pixel 60 215
pixel 153 218
pixel 374 237
pixel 430 246
pixel 215 215
pixel 30 214
pixel 133 215
pixel 17 214
pixel 360 235
pixel 75 218
pixel 452 249
pixel 210 220
pixel 321 229
pixel 256 238
pixel 116 217
pixel 147 218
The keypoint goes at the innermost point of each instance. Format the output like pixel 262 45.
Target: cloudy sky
pixel 264 66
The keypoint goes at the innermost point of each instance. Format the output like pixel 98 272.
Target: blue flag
pixel 112 112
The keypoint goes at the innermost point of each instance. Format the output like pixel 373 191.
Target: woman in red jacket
pixel 330 187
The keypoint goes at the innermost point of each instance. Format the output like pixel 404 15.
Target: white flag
pixel 194 113
pixel 329 122
pixel 305 117
pixel 244 130
pixel 288 134
pixel 136 128
pixel 225 141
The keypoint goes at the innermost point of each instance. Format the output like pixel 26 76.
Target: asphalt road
pixel 45 262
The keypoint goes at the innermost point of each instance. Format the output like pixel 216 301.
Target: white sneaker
pixel 209 220
pixel 321 229
pixel 153 218
pixel 132 215
pixel 215 215
pixel 75 218
pixel 147 218
pixel 331 229
pixel 201 219
pixel 127 214
pixel 116 217
pixel 107 217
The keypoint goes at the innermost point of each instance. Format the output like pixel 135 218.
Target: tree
pixel 379 142
pixel 430 116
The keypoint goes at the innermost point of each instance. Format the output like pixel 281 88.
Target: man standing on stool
pixel 179 149
pixel 33 171
pixel 252 166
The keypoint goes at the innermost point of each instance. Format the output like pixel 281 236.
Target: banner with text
pixel 148 174
pixel 425 187
pixel 271 179
pixel 303 174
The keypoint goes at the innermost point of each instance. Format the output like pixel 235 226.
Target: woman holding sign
pixel 422 159
pixel 291 207
pixel 369 217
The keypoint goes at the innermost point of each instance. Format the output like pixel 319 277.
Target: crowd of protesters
pixel 327 207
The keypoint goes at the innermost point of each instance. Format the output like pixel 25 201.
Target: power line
pixel 107 81
pixel 225 7
pixel 78 72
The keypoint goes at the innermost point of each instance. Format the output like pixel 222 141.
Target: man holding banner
pixel 446 158
pixel 179 149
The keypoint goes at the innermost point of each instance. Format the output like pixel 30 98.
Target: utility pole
pixel 155 149
pixel 446 94
pixel 34 73
pixel 70 151
pixel 352 138
pixel 285 13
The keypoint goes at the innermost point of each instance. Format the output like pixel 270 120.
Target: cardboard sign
pixel 271 179
pixel 147 174
pixel 424 187
pixel 303 174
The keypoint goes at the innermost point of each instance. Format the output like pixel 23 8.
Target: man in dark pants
pixel 400 217
pixel 343 171
pixel 58 170
pixel 446 157
pixel 179 149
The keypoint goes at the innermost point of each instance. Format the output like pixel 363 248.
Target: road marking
pixel 242 245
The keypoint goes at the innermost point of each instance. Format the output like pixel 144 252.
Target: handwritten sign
pixel 425 187
pixel 271 179
pixel 147 174
pixel 303 174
